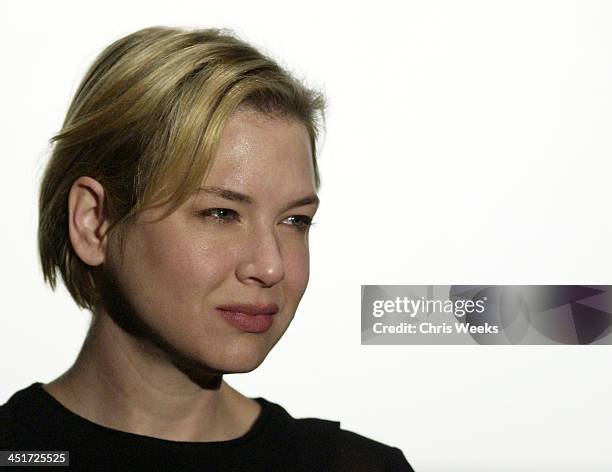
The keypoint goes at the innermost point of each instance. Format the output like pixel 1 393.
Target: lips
pixel 252 309
pixel 252 318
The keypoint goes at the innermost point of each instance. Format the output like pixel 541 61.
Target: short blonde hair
pixel 145 122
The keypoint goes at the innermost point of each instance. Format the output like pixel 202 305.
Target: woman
pixel 176 207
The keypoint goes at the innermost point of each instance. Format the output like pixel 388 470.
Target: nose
pixel 262 263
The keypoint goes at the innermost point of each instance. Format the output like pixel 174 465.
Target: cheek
pixel 172 272
pixel 297 270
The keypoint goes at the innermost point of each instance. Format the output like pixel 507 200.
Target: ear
pixel 87 223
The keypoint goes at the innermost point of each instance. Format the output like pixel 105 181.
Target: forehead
pixel 256 149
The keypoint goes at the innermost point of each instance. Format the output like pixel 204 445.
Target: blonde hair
pixel 145 122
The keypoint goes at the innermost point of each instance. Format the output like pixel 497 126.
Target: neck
pixel 126 383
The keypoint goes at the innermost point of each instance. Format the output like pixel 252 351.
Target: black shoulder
pixel 347 451
pixel 18 420
pixel 7 426
pixel 358 453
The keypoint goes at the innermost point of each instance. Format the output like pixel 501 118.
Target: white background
pixel 468 143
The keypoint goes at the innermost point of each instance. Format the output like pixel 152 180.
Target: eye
pixel 300 222
pixel 220 215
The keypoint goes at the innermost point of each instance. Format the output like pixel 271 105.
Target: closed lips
pixel 251 309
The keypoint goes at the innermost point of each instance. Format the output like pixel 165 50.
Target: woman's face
pixel 242 239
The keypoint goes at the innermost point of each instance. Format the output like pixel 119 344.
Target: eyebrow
pixel 241 198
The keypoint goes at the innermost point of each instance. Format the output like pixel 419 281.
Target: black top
pixel 33 420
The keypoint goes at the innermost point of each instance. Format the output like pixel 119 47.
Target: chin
pixel 240 358
pixel 242 368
